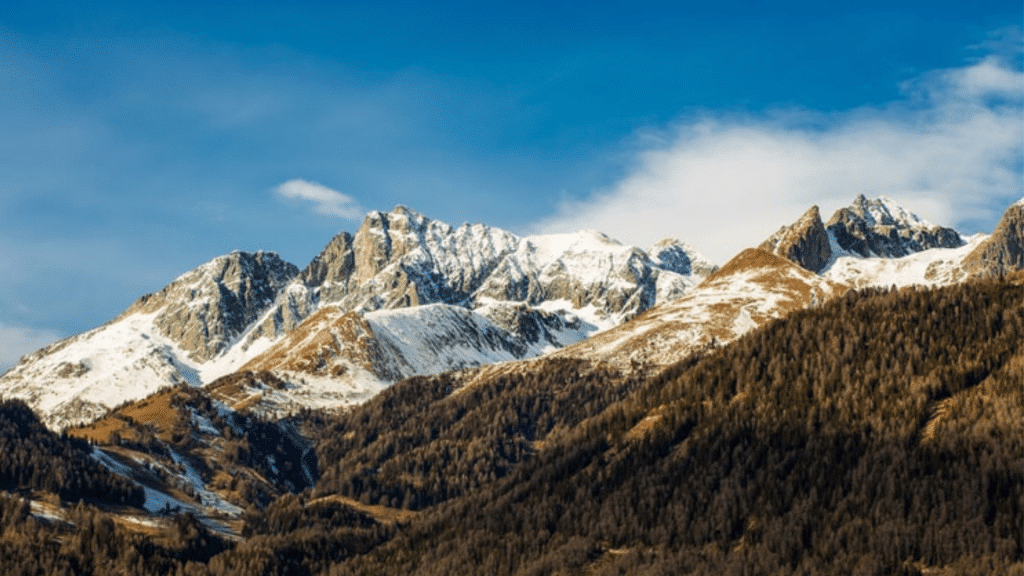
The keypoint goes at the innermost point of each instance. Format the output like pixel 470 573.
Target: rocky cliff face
pixel 882 228
pixel 205 309
pixel 1003 251
pixel 805 242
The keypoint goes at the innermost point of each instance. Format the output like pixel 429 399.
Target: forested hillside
pixel 32 458
pixel 879 434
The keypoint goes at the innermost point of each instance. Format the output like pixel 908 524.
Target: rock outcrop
pixel 804 242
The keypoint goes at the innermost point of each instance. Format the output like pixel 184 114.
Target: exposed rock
pixel 804 242
pixel 331 269
pixel 205 309
pixel 1003 251
pixel 882 228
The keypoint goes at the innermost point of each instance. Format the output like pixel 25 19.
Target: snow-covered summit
pixel 886 212
pixel 403 258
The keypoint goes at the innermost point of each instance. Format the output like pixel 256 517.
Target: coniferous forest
pixel 880 433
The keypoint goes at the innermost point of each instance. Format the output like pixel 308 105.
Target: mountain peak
pixel 883 228
pixel 805 242
pixel 678 256
pixel 207 307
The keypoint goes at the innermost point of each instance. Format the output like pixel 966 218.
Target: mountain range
pixel 407 295
pixel 420 386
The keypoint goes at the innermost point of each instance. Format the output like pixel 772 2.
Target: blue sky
pixel 141 141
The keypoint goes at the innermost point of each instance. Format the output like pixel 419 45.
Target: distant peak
pixel 883 228
pixel 598 236
pixel 403 210
pixel 886 211
pixel 668 243
pixel 678 256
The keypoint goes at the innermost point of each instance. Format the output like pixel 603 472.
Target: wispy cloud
pixel 950 150
pixel 326 201
pixel 16 341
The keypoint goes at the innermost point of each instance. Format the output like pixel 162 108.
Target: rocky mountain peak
pixel 1003 251
pixel 203 310
pixel 805 242
pixel 332 268
pixel 882 228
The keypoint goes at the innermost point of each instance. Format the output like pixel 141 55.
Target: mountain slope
pixel 192 453
pixel 749 291
pixel 337 358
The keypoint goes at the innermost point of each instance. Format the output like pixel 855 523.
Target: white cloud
pixel 326 201
pixel 16 341
pixel 951 151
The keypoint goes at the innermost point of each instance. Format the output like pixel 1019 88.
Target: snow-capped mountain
pixel 407 295
pixel 500 297
pixel 170 337
pixel 879 243
pixel 883 228
pixel 412 296
pixel 402 258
